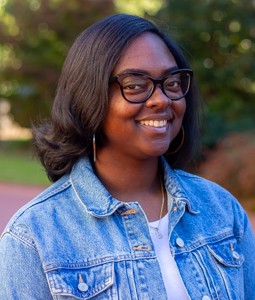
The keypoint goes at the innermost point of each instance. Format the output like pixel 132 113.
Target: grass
pixel 18 165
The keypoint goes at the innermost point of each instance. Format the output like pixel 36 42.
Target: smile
pixel 154 123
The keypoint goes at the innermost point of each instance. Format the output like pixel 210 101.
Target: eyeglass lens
pixel 136 87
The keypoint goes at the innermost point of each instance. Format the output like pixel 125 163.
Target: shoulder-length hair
pixel 81 100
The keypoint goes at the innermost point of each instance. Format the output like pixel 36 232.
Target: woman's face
pixel 134 129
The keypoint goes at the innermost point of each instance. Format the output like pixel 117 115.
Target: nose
pixel 158 99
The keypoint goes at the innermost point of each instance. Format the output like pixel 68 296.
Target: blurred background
pixel 218 38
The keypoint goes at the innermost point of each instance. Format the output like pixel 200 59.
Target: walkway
pixel 13 196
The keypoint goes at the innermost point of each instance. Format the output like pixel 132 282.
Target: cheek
pixel 121 109
pixel 121 115
pixel 179 107
pixel 120 112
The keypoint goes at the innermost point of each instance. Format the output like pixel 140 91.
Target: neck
pixel 131 180
pixel 131 175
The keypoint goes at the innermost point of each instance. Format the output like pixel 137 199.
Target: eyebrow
pixel 144 72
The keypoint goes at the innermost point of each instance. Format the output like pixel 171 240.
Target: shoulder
pixel 193 182
pixel 197 190
pixel 212 200
pixel 207 194
pixel 39 208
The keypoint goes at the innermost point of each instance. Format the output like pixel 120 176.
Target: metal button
pixel 235 255
pixel 180 242
pixel 83 287
pixel 206 298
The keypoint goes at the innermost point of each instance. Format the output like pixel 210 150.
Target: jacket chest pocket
pixel 227 254
pixel 82 283
pixel 222 267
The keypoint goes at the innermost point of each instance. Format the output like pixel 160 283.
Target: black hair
pixel 81 100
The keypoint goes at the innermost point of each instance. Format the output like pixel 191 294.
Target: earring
pixel 94 148
pixel 179 147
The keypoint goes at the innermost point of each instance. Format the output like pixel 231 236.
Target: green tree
pixel 35 36
pixel 219 39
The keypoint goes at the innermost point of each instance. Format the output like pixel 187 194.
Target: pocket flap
pixel 81 283
pixel 227 253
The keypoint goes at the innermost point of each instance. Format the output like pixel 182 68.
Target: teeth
pixel 154 123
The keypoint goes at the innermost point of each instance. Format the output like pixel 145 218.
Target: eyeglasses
pixel 137 87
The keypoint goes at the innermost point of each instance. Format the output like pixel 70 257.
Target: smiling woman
pixel 145 124
pixel 120 220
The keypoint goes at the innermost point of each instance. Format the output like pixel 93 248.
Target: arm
pixel 21 273
pixel 248 249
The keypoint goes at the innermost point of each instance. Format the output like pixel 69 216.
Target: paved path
pixel 13 196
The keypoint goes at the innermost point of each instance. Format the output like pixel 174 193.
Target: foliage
pixel 218 37
pixel 35 36
pixel 231 164
pixel 140 7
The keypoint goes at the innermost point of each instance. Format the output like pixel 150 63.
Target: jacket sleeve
pixel 248 249
pixel 21 273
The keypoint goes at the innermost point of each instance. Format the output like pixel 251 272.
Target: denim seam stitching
pixel 24 241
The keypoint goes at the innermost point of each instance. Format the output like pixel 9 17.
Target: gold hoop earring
pixel 182 141
pixel 94 148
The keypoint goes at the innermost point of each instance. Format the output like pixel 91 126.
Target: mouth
pixel 154 123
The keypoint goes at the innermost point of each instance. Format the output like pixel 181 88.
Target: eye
pixel 135 84
pixel 172 83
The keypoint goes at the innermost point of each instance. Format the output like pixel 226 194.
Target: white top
pixel 172 279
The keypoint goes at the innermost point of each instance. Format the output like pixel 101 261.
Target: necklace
pixel 156 229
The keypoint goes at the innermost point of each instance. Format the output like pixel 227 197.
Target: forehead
pixel 149 53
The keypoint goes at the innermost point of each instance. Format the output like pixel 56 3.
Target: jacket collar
pixel 90 191
pixel 174 187
pixel 100 203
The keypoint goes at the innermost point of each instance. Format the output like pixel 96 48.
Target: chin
pixel 157 152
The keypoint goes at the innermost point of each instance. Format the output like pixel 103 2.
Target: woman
pixel 120 221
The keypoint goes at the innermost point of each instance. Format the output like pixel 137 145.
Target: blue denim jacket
pixel 75 241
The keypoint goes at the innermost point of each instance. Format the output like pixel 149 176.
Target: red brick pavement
pixel 13 196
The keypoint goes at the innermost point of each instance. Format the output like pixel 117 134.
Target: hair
pixel 81 101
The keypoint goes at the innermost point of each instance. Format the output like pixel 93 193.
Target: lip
pixel 155 121
pixel 156 124
pixel 158 117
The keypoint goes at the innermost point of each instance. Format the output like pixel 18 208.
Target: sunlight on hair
pixel 141 7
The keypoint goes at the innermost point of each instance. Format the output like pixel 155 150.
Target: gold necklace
pixel 156 229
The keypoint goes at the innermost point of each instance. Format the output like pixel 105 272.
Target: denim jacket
pixel 75 241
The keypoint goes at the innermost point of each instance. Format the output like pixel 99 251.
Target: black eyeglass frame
pixel 159 81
